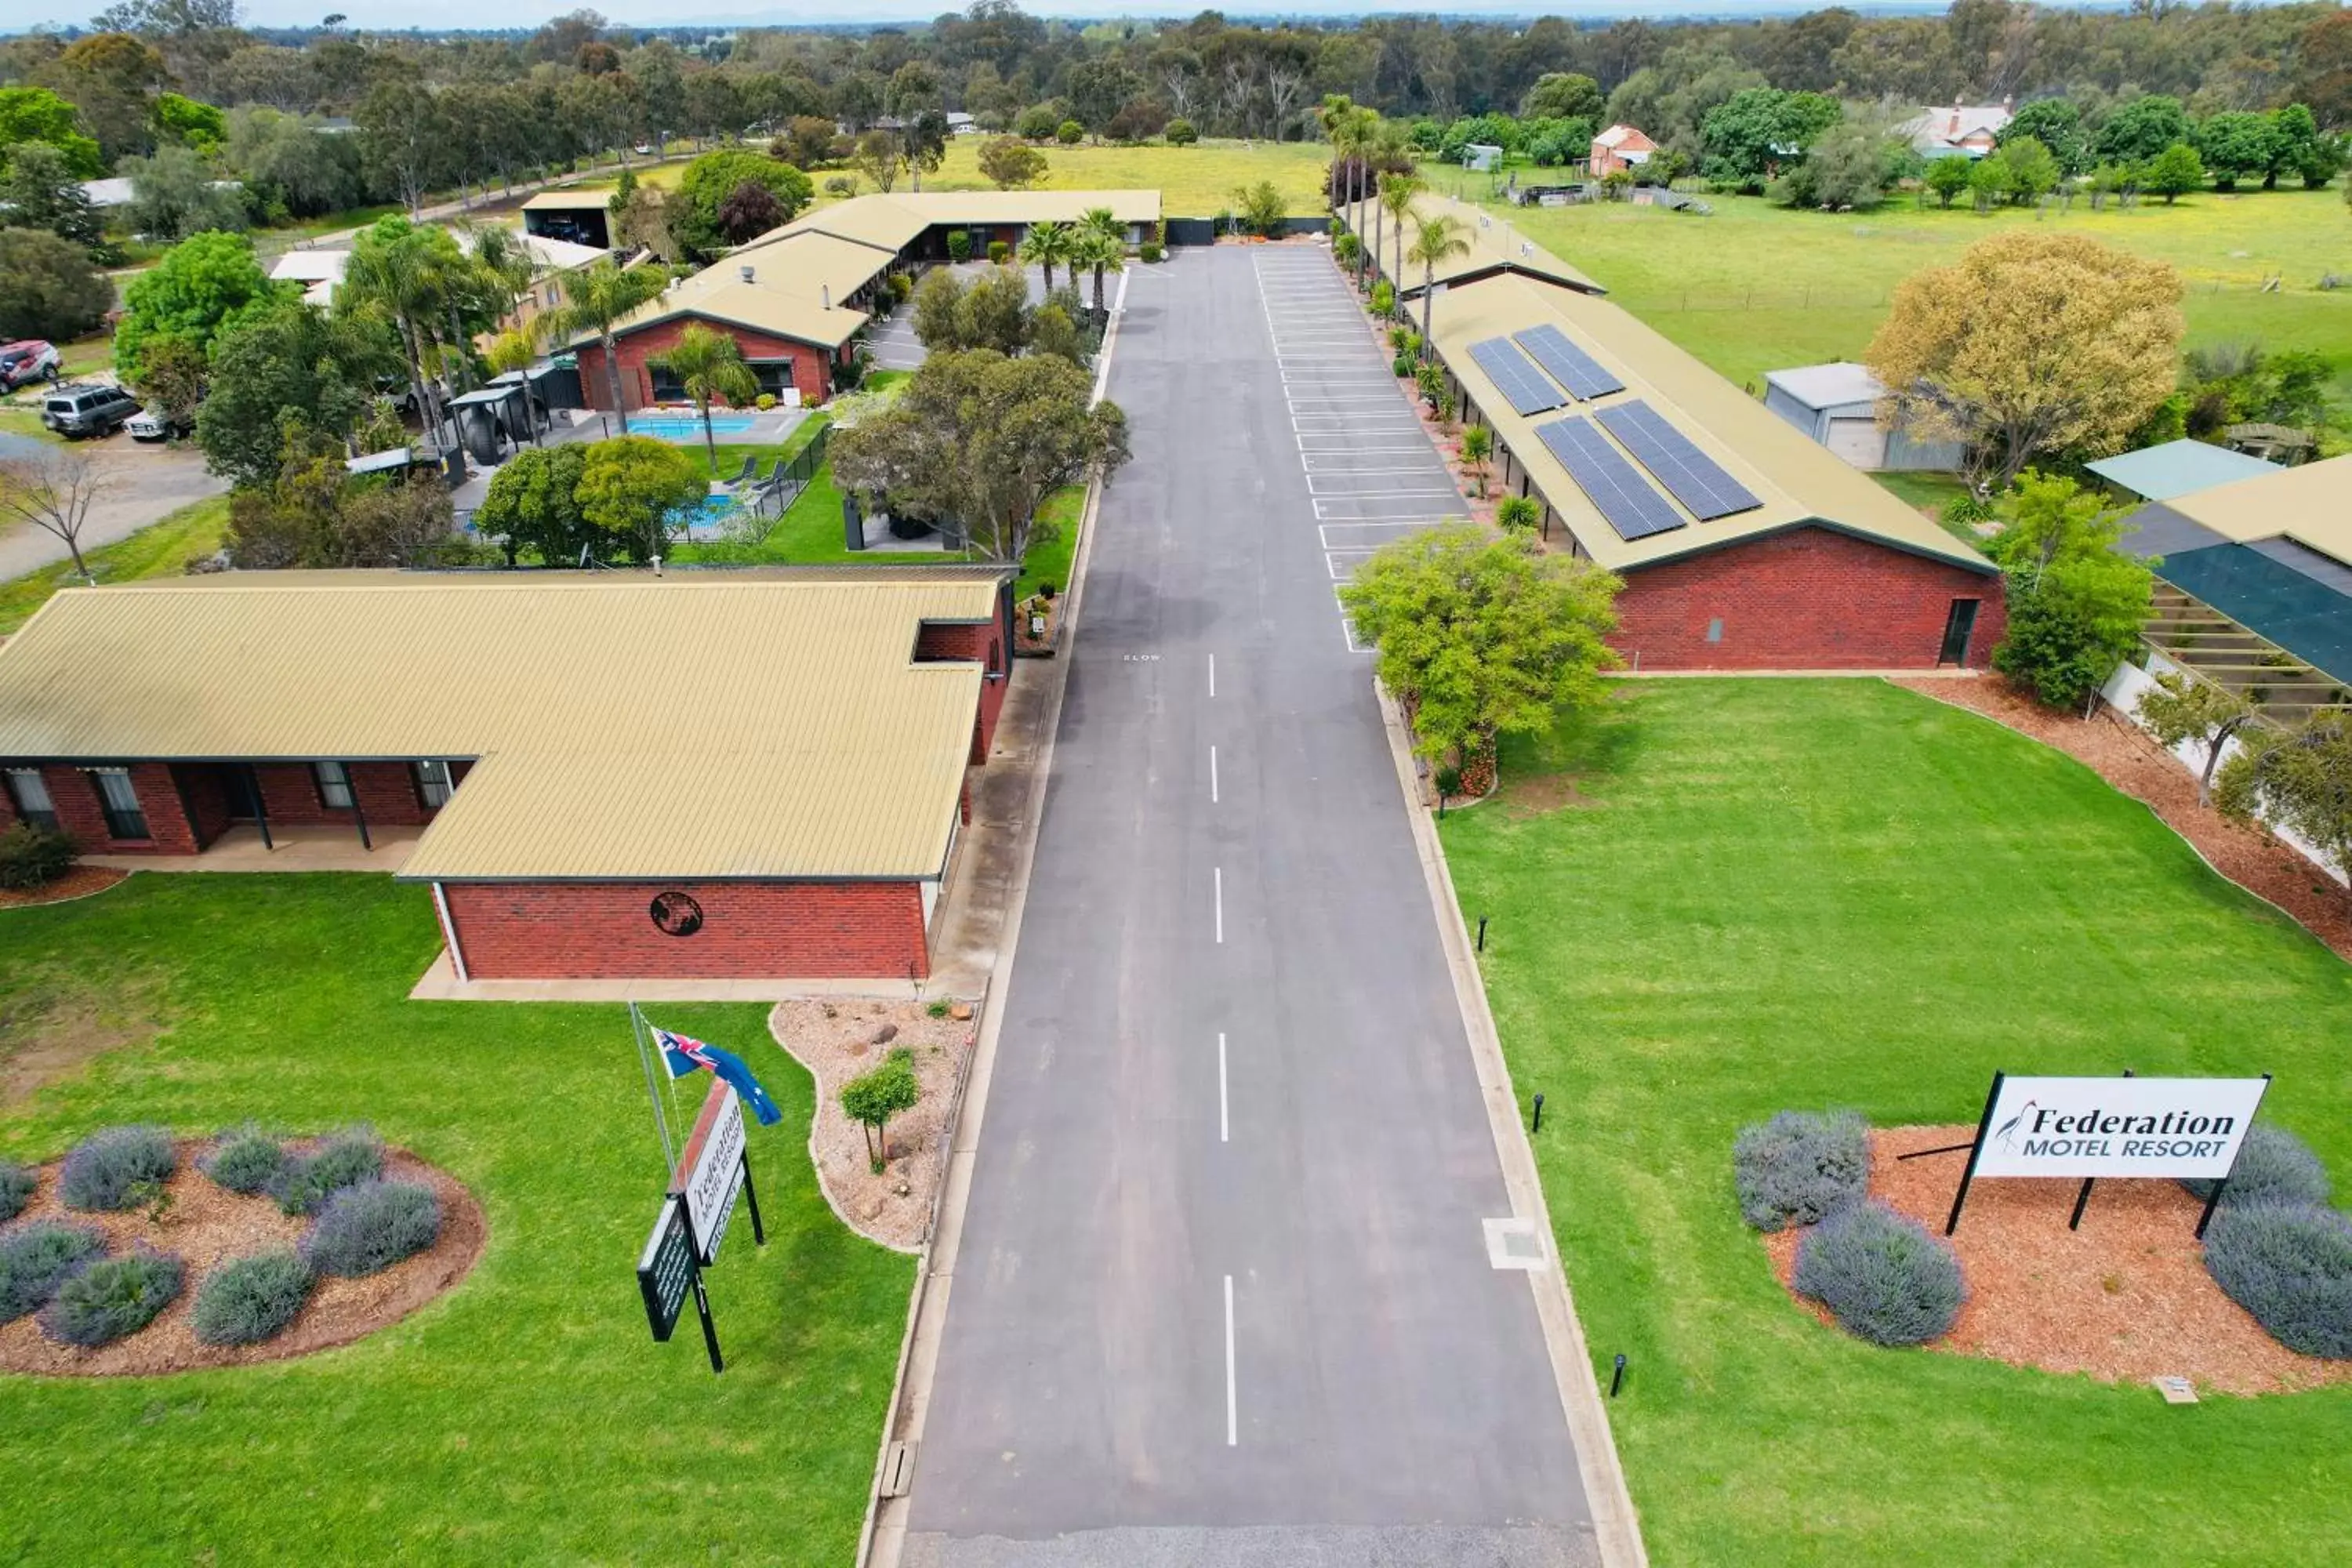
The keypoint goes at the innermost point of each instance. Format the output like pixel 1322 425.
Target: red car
pixel 26 360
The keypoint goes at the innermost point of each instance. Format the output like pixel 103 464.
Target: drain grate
pixel 1514 1244
pixel 898 1468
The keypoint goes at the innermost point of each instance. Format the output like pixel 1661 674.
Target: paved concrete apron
pixel 1232 1066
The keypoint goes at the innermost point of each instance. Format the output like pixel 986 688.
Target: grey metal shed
pixel 1837 406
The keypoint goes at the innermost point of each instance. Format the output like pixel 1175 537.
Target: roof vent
pixel 825 293
pixel 746 270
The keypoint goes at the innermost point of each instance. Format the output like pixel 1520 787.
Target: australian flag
pixel 683 1055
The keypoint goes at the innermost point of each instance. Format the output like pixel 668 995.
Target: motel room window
pixel 433 785
pixel 775 376
pixel 667 386
pixel 119 801
pixel 334 782
pixel 31 793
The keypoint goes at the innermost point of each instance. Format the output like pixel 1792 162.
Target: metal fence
pixel 769 498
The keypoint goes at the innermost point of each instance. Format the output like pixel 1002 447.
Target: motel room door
pixel 242 790
pixel 1959 627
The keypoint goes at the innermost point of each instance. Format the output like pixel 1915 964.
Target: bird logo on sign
pixel 2006 1134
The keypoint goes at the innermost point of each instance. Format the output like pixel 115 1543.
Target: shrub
pixel 2289 1265
pixel 1152 250
pixel 248 1300
pixel 371 1226
pixel 1383 298
pixel 1799 1168
pixel 1516 514
pixel 901 285
pixel 998 250
pixel 2272 1164
pixel 34 856
pixel 958 245
pixel 1882 1277
pixel 114 1297
pixel 306 1182
pixel 37 1259
pixel 764 401
pixel 1069 132
pixel 115 1169
pixel 1181 133
pixel 16 1184
pixel 244 1159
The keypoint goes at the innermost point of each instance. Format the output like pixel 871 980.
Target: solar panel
pixel 1569 366
pixel 1514 377
pixel 1691 475
pixel 1600 470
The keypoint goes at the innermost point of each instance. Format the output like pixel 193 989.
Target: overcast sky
pixel 396 13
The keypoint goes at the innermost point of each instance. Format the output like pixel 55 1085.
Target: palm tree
pixel 1397 191
pixel 1046 245
pixel 398 271
pixel 709 363
pixel 600 295
pixel 1435 239
pixel 1099 243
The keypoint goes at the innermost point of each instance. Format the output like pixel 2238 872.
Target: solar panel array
pixel 1569 366
pixel 1691 475
pixel 1632 507
pixel 1517 380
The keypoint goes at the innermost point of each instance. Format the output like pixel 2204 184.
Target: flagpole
pixel 645 1059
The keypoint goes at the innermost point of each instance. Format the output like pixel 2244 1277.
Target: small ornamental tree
pixel 1517 514
pixel 2174 172
pixel 1179 133
pixel 1480 636
pixel 1477 446
pixel 1948 177
pixel 2183 708
pixel 872 1099
pixel 631 486
pixel 2299 779
pixel 1011 165
pixel 2076 603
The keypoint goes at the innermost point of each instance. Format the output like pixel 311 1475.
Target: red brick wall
pixel 516 931
pixel 981 644
pixel 635 348
pixel 1809 599
pixel 205 790
pixel 74 793
pixel 386 792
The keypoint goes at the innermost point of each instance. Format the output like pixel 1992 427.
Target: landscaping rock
pixel 961 1011
pixel 883 1035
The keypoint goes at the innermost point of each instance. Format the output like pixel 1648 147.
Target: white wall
pixel 2129 683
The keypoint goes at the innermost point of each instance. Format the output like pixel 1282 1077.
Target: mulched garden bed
pixel 79 883
pixel 2124 1298
pixel 206 1224
pixel 836 1041
pixel 2128 757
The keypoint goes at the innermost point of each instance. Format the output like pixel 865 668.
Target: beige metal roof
pixel 568 201
pixel 807 261
pixel 777 301
pixel 896 220
pixel 2311 504
pixel 1798 481
pixel 1495 242
pixel 693 725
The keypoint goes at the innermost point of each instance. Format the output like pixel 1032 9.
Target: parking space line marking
pixel 1220 872
pixel 1212 775
pixel 1224 1122
pixel 1233 1421
pixel 1212 675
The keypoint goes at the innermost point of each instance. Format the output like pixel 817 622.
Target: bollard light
pixel 1538 1126
pixel 1617 1378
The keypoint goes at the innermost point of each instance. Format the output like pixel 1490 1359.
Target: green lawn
pixel 1193 182
pixel 525 1417
pixel 1756 288
pixel 162 548
pixel 1739 918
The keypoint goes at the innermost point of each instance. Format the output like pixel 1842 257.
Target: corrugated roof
pixel 1832 386
pixel 805 260
pixel 1798 481
pixel 896 220
pixel 2178 469
pixel 1496 243
pixel 2311 504
pixel 748 725
pixel 568 201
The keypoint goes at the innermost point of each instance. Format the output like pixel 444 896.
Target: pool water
pixel 670 427
pixel 705 517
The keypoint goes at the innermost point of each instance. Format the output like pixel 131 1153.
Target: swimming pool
pixel 706 519
pixel 686 427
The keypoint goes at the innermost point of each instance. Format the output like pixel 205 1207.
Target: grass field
pixel 163 549
pixel 1756 288
pixel 525 1417
pixel 1193 182
pixel 1737 918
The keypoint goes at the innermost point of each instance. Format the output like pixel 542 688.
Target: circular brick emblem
pixel 676 913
